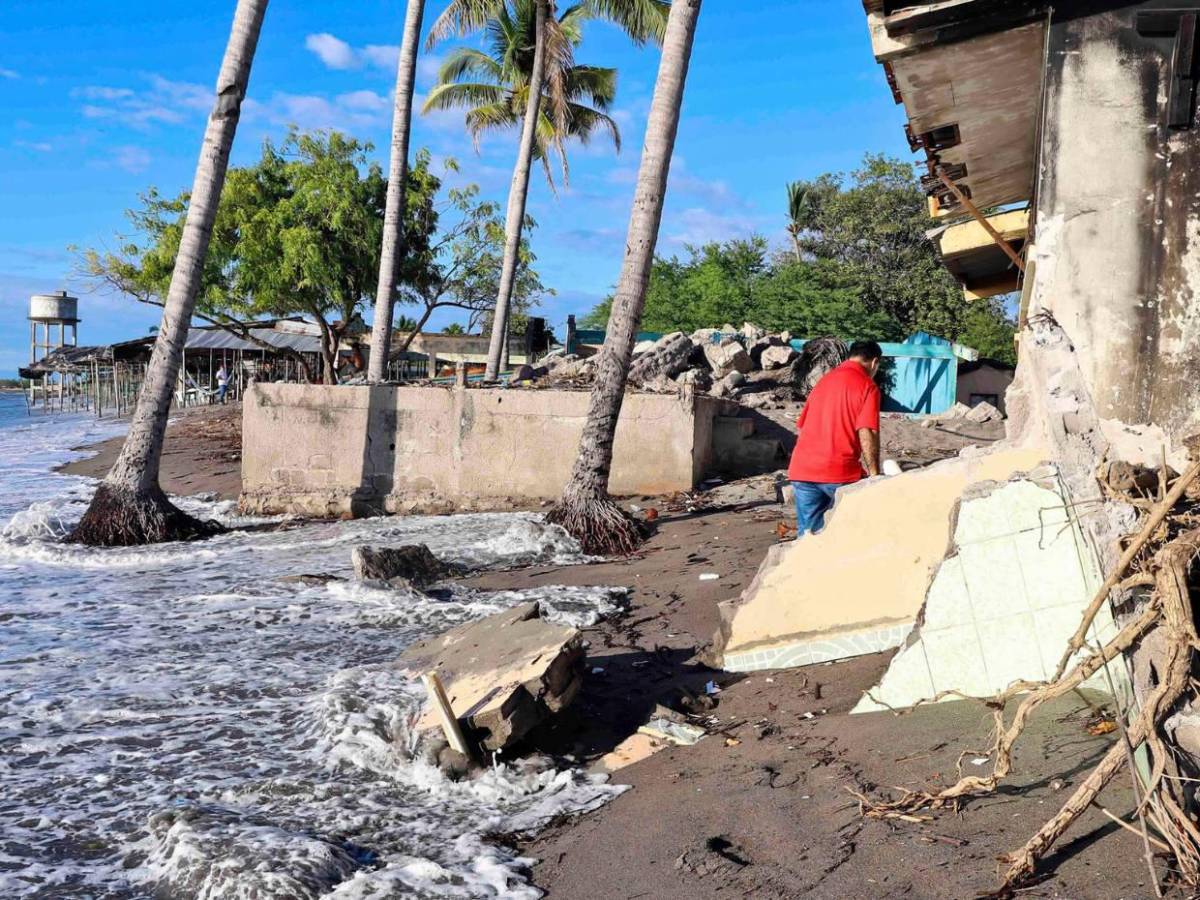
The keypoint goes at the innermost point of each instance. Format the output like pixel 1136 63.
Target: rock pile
pixel 750 365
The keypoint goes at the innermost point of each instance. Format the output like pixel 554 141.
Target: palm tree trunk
pixel 129 506
pixel 393 221
pixel 518 193
pixel 585 510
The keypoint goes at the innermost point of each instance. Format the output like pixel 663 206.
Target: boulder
pixel 503 675
pixel 667 357
pixel 727 356
pixel 777 357
pixel 643 347
pixel 704 336
pixel 409 566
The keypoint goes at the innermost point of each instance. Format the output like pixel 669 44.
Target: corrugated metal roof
pixel 217 339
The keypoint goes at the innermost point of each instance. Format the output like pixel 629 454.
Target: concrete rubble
pixel 504 675
pixel 412 566
pixel 757 368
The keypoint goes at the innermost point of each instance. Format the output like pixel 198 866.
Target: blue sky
pixel 101 101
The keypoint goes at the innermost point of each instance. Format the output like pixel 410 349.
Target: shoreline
pixel 759 808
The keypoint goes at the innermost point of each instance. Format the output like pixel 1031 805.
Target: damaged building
pixel 1060 156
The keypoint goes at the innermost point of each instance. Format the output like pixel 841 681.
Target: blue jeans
pixel 813 500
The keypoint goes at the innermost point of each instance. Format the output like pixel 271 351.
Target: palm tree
pixel 799 212
pixel 493 86
pixel 129 507
pixel 585 511
pixel 454 328
pixel 642 20
pixel 393 220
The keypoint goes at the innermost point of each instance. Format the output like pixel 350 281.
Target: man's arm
pixel 869 438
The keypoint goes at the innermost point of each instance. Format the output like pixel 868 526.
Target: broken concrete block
pixel 699 379
pixel 957 411
pixel 642 347
pixel 410 566
pixel 707 336
pixel 727 356
pixel 752 332
pixel 503 675
pixel 777 357
pixel 668 356
pixel 885 536
pixel 728 384
pixel 983 412
pixel 1005 600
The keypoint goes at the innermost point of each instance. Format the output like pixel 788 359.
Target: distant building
pixel 984 381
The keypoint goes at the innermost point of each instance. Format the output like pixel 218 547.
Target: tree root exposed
pixel 601 527
pixel 1168 611
pixel 119 517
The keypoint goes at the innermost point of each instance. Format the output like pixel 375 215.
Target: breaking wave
pixel 190 721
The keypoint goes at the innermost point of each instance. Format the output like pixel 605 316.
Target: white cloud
pixel 334 52
pixel 39 146
pixel 8 73
pixel 131 159
pixel 350 112
pixel 381 56
pixel 162 102
pixel 696 225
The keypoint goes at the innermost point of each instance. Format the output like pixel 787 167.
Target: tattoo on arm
pixel 869 438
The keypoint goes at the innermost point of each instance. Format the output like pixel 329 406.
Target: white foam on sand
pixel 180 720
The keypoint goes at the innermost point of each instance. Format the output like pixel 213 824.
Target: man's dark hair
pixel 868 350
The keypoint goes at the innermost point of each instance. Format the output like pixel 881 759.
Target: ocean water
pixel 179 722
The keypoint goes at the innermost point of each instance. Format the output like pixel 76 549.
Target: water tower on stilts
pixel 58 310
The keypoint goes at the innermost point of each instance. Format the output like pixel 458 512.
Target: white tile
pixel 995 583
pixel 1011 651
pixel 906 682
pixel 955 661
pixel 946 604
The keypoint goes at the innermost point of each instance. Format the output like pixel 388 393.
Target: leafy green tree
pixel 298 234
pixel 454 328
pixel 874 221
pixel 986 327
pixel 737 281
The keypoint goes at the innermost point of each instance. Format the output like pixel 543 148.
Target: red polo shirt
pixel 828 450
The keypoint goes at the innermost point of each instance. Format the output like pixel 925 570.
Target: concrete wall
pixel 332 450
pixel 1118 221
pixel 857 586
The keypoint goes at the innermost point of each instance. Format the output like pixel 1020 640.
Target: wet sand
pixel 763 808
pixel 202 453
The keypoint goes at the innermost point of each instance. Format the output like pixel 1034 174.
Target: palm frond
pixel 463 95
pixel 468 61
pixel 463 17
pixel 593 83
pixel 641 20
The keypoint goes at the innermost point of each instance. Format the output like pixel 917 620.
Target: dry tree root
pixel 1171 565
pixel 1168 608
pixel 601 527
pixel 119 517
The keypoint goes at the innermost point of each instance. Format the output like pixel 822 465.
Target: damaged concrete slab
pixel 857 587
pixel 1005 601
pixel 503 675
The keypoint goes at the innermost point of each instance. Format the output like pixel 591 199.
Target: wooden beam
pixel 449 722
pixel 982 220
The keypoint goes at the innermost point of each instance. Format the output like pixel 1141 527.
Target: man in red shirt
pixel 838 430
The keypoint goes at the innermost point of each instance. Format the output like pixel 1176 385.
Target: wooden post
pixel 441 703
pixel 982 220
